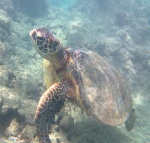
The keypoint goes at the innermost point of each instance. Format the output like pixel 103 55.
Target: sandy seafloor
pixel 117 30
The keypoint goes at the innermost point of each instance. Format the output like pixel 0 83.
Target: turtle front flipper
pixel 50 103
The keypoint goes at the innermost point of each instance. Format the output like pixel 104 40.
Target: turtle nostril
pixel 34 36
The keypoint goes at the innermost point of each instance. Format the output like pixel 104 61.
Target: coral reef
pixel 117 30
pixel 5 26
pixel 7 6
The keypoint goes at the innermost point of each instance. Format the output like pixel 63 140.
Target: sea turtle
pixel 82 77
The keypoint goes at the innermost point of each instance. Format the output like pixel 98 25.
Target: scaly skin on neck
pixel 58 59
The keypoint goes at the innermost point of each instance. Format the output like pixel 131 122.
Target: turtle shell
pixel 103 92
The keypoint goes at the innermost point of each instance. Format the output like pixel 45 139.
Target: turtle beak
pixel 33 34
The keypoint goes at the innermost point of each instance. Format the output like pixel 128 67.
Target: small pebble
pixel 14 139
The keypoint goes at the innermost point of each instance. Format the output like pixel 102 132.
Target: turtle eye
pixel 41 38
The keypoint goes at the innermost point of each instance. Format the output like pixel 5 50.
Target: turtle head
pixel 45 43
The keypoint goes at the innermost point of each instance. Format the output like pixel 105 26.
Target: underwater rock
pixel 28 133
pixel 1 101
pixel 66 123
pixel 5 23
pixel 3 76
pixel 25 85
pixel 4 52
pixel 9 104
pixel 27 110
pixel 13 106
pixel 10 100
pixel 13 129
pixel 123 35
pixel 3 35
pixel 141 33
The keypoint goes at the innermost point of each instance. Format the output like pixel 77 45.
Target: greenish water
pixel 119 31
pixel 64 4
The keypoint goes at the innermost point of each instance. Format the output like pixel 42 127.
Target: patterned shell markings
pixel 104 93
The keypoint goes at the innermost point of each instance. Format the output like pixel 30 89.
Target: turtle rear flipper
pixel 129 123
pixel 50 103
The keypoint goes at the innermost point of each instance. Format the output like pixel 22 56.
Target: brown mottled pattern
pixel 50 103
pixel 104 93
pixel 84 77
pixel 46 41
